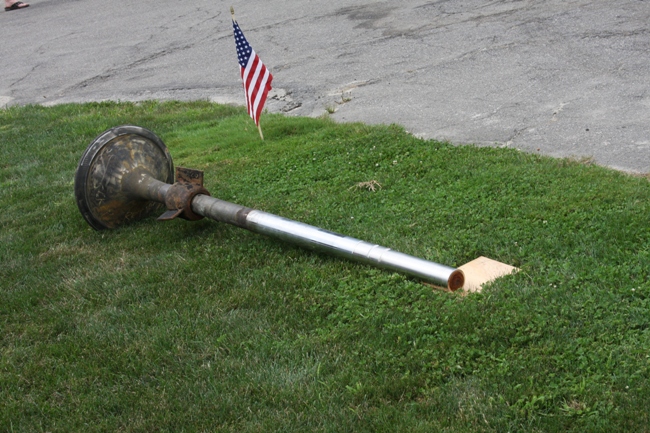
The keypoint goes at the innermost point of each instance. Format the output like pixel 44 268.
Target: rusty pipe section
pixel 177 197
pixel 326 241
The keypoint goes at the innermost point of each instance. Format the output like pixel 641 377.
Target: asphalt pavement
pixel 566 78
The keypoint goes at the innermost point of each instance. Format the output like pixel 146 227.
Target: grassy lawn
pixel 201 326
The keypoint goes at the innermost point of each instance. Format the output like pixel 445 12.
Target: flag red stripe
pixel 253 84
pixel 265 85
pixel 257 83
pixel 251 77
pixel 254 91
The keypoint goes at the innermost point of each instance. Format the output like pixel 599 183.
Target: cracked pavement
pixel 565 78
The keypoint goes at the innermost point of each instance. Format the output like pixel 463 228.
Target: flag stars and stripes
pixel 256 78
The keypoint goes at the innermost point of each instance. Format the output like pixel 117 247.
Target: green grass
pixel 200 326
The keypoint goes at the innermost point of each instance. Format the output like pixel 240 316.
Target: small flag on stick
pixel 255 77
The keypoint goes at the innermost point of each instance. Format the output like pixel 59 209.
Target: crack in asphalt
pixel 117 70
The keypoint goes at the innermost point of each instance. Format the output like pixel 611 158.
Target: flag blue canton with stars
pixel 244 49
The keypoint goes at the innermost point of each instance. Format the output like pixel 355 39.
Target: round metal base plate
pixel 101 198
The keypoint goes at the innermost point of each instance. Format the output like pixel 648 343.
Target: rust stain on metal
pixel 189 183
pixel 189 175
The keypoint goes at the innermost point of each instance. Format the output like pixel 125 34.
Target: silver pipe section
pixel 326 241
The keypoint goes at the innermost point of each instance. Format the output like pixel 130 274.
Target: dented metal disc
pixel 100 193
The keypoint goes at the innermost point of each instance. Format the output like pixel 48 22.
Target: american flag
pixel 255 77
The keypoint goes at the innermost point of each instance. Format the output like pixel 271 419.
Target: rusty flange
pixel 178 197
pixel 101 190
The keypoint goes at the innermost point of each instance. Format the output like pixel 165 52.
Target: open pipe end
pixel 456 280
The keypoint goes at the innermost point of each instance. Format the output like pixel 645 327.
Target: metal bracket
pixel 189 175
pixel 178 199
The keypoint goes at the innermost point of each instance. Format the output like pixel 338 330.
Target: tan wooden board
pixel 483 270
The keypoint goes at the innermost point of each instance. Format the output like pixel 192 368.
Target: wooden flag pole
pixel 259 128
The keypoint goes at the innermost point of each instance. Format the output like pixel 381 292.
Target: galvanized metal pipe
pixel 326 241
